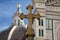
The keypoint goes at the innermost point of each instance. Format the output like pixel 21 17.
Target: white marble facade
pixel 50 13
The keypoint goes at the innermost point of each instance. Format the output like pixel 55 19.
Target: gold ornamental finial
pixel 18 5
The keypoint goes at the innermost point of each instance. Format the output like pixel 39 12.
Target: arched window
pixel 40 22
pixel 18 22
pixel 41 33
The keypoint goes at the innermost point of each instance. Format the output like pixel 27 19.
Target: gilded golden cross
pixel 30 18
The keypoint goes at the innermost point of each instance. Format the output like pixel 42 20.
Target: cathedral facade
pixel 45 28
pixel 48 26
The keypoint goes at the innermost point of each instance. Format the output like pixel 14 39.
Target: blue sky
pixel 7 10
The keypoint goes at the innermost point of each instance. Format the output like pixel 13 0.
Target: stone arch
pixel 57 32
